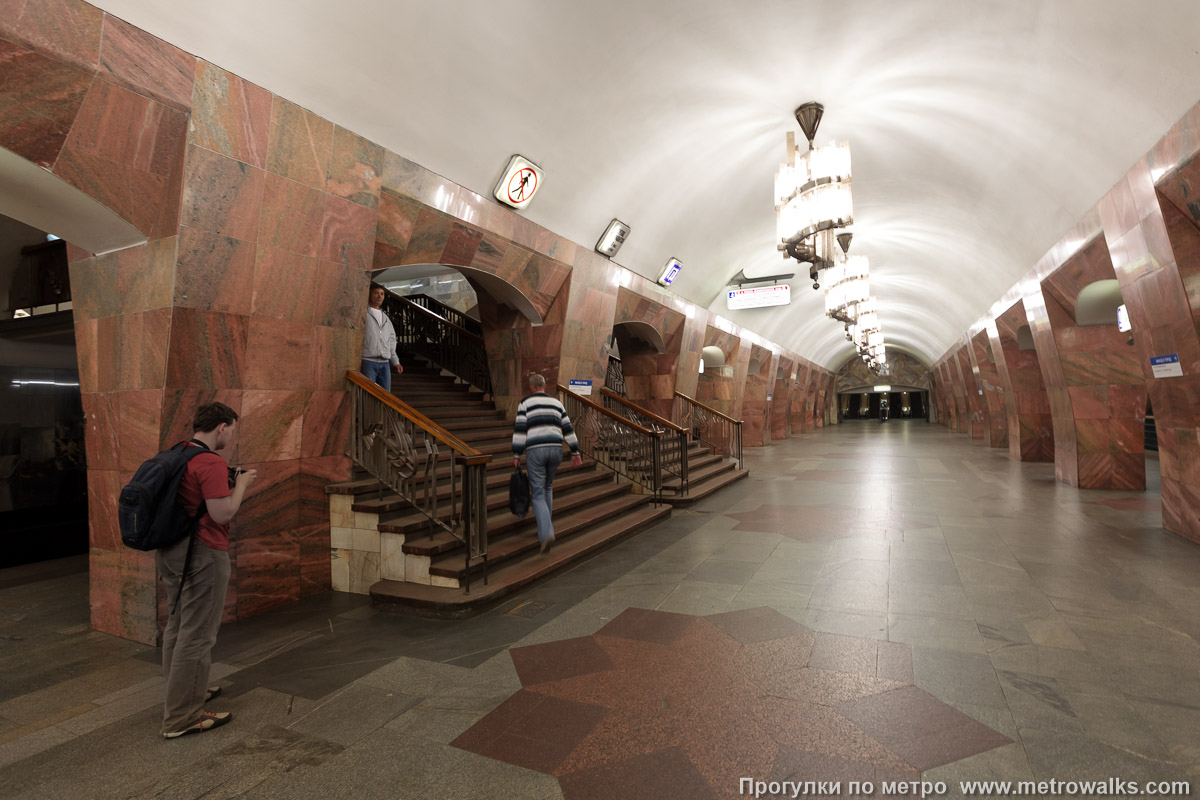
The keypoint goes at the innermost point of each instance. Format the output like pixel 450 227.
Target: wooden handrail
pixel 469 454
pixel 666 423
pixel 436 316
pixel 725 417
pixel 593 404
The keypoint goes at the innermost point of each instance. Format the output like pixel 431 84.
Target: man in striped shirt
pixel 541 427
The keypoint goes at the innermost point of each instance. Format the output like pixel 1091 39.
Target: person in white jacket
pixel 379 358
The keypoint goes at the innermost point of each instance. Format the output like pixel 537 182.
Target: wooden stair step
pixel 514 575
pixel 501 522
pixel 477 424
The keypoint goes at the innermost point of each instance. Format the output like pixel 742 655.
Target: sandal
pixel 208 720
pixel 211 692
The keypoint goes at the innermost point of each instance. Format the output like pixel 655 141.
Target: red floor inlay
pixel 672 705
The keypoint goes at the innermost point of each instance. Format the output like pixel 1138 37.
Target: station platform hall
pixel 877 327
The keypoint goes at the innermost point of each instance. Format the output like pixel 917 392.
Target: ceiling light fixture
pixel 813 199
pixel 614 236
pixel 670 272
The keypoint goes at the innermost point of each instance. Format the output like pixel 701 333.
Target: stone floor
pixel 874 603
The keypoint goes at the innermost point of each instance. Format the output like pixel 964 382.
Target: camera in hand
pixel 233 473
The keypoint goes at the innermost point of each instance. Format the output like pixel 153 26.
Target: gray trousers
pixel 542 463
pixel 192 628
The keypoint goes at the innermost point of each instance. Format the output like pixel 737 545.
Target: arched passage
pixel 649 340
pixel 1094 377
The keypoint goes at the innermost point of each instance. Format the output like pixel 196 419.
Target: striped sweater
pixel 542 422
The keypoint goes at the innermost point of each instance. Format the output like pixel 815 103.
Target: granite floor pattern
pixel 875 602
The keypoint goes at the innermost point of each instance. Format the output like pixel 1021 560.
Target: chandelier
pixel 814 205
pixel 814 209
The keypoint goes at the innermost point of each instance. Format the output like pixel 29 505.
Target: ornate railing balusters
pixel 385 437
pixel 614 379
pixel 441 341
pixel 614 442
pixel 449 313
pixel 716 430
pixel 673 445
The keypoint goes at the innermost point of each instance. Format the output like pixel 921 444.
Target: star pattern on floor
pixel 657 704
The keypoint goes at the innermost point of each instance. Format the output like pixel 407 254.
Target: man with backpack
pixel 196 581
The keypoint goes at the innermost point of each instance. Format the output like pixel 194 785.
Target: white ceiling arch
pixel 980 132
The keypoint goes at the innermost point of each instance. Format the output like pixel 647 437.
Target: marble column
pixel 987 378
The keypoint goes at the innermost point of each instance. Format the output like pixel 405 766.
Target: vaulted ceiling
pixel 980 131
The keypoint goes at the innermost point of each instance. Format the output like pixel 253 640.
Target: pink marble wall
pixel 781 403
pixel 1094 380
pixel 971 396
pixel 1154 240
pixel 987 378
pixel 650 376
pixel 1030 422
pixel 755 413
pixel 715 389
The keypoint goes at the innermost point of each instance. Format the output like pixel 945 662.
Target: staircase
pixel 708 472
pixel 426 568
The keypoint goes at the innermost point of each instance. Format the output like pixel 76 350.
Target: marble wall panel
pixel 214 272
pixel 278 354
pixel 334 352
pixel 271 506
pixel 348 234
pixel 285 286
pixel 230 116
pixel 94 287
pixel 299 144
pixel 222 195
pixel 271 424
pixel 754 408
pixel 69 30
pixel 1030 424
pixel 974 399
pixel 292 216
pixel 145 64
pixel 341 296
pixel 268 574
pixel 987 376
pixel 143 348
pixel 128 129
pixel 101 430
pixel 146 275
pixel 104 485
pixel 355 168
pixel 39 99
pixel 207 350
pixel 140 414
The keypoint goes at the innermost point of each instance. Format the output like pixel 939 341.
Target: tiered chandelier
pixel 814 208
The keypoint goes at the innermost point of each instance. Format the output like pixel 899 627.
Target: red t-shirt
pixel 207 478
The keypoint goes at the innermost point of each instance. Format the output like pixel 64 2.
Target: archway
pixel 648 339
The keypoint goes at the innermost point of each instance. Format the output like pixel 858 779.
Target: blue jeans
pixel 541 463
pixel 378 371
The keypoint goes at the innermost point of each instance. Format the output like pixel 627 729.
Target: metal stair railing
pixel 719 431
pixel 445 344
pixel 448 312
pixel 413 456
pixel 626 448
pixel 674 441
pixel 614 379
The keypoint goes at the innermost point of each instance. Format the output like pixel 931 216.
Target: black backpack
pixel 148 509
